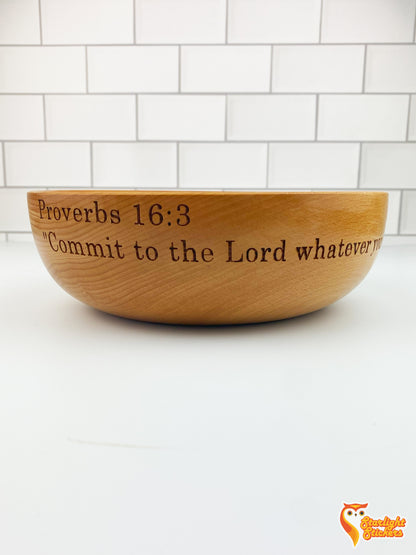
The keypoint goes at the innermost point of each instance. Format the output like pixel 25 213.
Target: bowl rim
pixel 195 192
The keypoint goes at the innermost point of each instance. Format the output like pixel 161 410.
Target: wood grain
pixel 207 257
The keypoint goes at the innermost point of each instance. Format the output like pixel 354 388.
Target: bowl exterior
pixel 207 258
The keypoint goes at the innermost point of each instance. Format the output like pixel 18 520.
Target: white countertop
pixel 121 437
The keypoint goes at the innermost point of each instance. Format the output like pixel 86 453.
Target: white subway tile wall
pixel 223 165
pixel 225 69
pixel 391 68
pixel 21 117
pixel 393 215
pixel 93 117
pixel 391 165
pixel 87 22
pixel 135 164
pixel 13 210
pixel 2 167
pixel 367 21
pixel 19 22
pixel 271 21
pixel 208 94
pixel 181 117
pixel 408 222
pixel 318 68
pixel 180 21
pixel 313 165
pixel 36 69
pixel 126 69
pixel 358 117
pixel 271 117
pixel 47 164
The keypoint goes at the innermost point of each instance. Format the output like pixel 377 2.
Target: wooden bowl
pixel 207 257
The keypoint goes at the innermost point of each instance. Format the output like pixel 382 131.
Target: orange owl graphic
pixel 350 514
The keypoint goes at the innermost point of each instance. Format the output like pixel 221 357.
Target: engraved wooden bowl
pixel 207 257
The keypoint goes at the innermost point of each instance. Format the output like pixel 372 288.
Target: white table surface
pixel 121 437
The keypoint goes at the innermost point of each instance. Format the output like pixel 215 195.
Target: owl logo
pixel 350 515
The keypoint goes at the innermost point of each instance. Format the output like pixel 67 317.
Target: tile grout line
pixel 177 165
pixel 3 156
pixel 267 165
pixel 91 166
pixel 134 21
pixel 226 119
pixel 226 20
pixel 359 165
pixel 399 223
pixel 414 28
pixel 45 138
pixel 364 69
pixel 271 68
pixel 40 24
pixel 208 93
pixel 87 88
pixel 211 141
pixel 316 117
pixel 179 68
pixel 137 116
pixel 207 44
pixel 320 22
pixel 408 117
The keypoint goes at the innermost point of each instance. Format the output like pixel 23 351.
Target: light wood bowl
pixel 207 257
